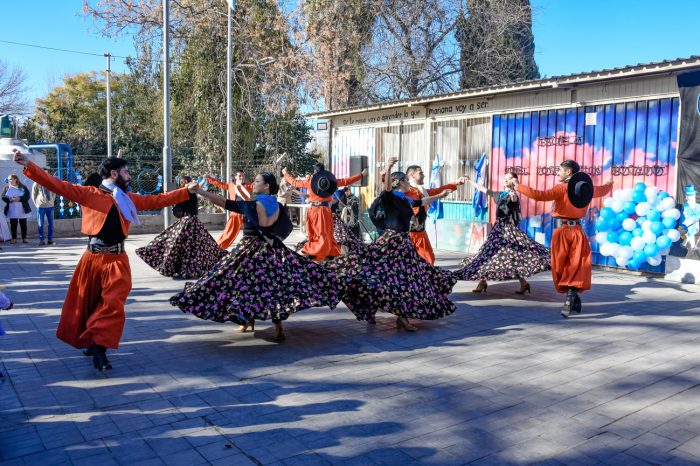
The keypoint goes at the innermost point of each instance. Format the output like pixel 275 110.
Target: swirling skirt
pixel 343 235
pixel 184 249
pixel 259 280
pixel 507 254
pixel 396 280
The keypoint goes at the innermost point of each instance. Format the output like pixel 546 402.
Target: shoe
pixel 523 289
pixel 250 323
pixel 576 307
pixel 50 242
pixel 279 332
pixel 100 361
pixel 569 303
pixel 403 323
pixel 482 286
pixel 13 241
pixel 88 352
pixel 25 241
pixel 41 242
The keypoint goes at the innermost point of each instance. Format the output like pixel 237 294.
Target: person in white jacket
pixel 44 201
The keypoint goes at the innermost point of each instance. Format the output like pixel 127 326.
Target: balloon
pixel 668 203
pixel 639 197
pixel 637 232
pixel 625 238
pixel 607 202
pixel 615 224
pixel 671 213
pixel 634 264
pixel 621 261
pixel 651 191
pixel 625 252
pixel 602 225
pixel 639 256
pixel 650 250
pixel 674 235
pixel 663 242
pixel 654 215
pixel 642 208
pixel 654 261
pixel 626 195
pixel 621 216
pixel 602 238
pixel 630 207
pixel 653 201
pixel 617 194
pixel 613 248
pixel 605 249
pixel 646 226
pixel 649 237
pixel 617 206
pixel 614 237
pixel 607 213
pixel 664 251
pixel 637 243
pixel 639 186
pixel 641 220
pixel 629 224
pixel 657 228
pixel 669 222
pixel 663 195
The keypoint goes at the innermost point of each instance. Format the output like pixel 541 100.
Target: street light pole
pixel 109 104
pixel 167 164
pixel 229 106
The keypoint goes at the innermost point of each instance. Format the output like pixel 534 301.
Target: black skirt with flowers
pixel 507 254
pixel 185 249
pixel 396 280
pixel 260 280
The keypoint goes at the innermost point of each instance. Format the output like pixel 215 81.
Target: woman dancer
pixel 508 252
pixel 185 249
pixel 399 281
pixel 261 278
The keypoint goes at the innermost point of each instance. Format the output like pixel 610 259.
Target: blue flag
pixel 435 210
pixel 479 200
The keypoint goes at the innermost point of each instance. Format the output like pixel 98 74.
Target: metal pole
pixel 167 165
pixel 229 107
pixel 109 104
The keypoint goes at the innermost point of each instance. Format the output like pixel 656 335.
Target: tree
pixel 12 89
pixel 496 41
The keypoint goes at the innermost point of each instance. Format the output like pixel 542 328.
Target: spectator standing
pixel 44 202
pixel 16 197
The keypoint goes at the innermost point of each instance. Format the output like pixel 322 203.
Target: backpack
pixel 377 214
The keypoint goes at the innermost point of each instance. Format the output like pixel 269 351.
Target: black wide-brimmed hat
pixel 580 189
pixel 323 183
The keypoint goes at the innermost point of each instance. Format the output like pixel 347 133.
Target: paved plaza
pixel 505 380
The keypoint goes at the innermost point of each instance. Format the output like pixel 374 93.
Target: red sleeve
pixel 299 184
pixel 346 181
pixel 84 195
pixel 217 183
pixel 600 191
pixel 435 191
pixel 548 195
pixel 160 200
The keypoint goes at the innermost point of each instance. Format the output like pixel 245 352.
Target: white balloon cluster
pixel 637 225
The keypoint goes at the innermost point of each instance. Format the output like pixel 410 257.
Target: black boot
pixel 568 303
pixel 577 303
pixel 99 358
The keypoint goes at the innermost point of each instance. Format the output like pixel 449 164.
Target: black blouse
pixel 186 208
pixel 280 229
pixel 398 211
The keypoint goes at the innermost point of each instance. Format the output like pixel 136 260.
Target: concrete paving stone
pixel 184 458
pixel 101 459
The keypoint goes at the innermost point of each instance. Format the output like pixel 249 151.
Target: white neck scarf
pixel 419 187
pixel 240 189
pixel 124 203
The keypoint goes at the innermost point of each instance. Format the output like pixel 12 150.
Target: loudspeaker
pixel 357 164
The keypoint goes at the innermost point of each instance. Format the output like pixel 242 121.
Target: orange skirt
pixel 93 311
pixel 423 247
pixel 571 259
pixel 319 229
pixel 233 226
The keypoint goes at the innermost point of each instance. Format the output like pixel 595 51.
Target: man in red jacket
pixel 238 190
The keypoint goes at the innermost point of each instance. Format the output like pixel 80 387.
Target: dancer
pixel 345 208
pixel 239 190
pixel 570 249
pixel 185 249
pixel 508 252
pixel 399 280
pixel 93 311
pixel 418 235
pixel 319 221
pixel 262 278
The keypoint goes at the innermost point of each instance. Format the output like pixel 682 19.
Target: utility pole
pixel 109 104
pixel 167 164
pixel 229 106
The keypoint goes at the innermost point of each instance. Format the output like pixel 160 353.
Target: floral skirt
pixel 259 280
pixel 343 235
pixel 184 249
pixel 396 280
pixel 507 254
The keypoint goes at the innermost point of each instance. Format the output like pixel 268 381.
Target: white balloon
pixel 604 249
pixel 653 201
pixel 637 243
pixel 617 195
pixel 646 225
pixel 651 191
pixel 654 261
pixel 627 194
pixel 607 202
pixel 674 235
pixel 614 248
pixel 621 261
pixel 602 238
pixel 625 252
pixel 668 203
pixel 664 251
pixel 629 224
pixel 671 213
pixel 642 208
pixel 649 237
pixel 617 206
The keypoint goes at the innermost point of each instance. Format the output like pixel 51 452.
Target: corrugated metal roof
pixel 641 69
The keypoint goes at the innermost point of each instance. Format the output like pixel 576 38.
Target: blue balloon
pixel 625 238
pixel 622 216
pixel 613 237
pixel 669 222
pixel 634 264
pixel 637 232
pixel 650 250
pixel 639 186
pixel 639 196
pixel 663 242
pixel 630 207
pixel 607 213
pixel 657 228
pixel 615 224
pixel 663 195
pixel 602 225
pixel 639 256
pixel 641 220
pixel 653 215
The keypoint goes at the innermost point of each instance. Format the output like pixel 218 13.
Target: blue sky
pixel 570 36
